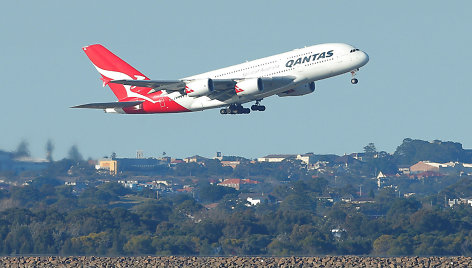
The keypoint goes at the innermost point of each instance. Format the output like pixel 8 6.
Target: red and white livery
pixel 288 74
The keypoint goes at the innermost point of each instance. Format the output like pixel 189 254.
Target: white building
pixel 306 158
pixel 460 201
pixel 275 158
pixel 253 202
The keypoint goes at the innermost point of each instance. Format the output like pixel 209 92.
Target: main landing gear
pixel 354 80
pixel 239 109
pixel 235 109
pixel 258 107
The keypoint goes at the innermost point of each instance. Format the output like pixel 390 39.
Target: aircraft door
pixel 162 102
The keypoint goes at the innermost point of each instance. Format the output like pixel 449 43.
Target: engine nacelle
pixel 299 91
pixel 249 86
pixel 199 87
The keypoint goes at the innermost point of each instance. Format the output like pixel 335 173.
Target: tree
pixel 213 193
pixel 19 241
pixel 370 149
pixel 299 202
pixel 400 211
pixel 412 151
pixel 141 244
pixel 425 220
pixel 114 188
pixel 22 150
pixel 383 244
pixel 74 154
pixel 49 150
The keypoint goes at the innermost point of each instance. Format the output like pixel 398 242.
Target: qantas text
pixel 313 57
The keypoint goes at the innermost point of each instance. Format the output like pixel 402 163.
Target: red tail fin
pixel 111 67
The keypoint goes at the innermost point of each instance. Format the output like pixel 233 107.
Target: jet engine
pixel 249 86
pixel 199 87
pixel 299 91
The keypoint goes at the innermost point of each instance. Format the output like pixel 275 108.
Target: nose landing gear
pixel 354 80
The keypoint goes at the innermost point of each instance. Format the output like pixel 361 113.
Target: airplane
pixel 287 74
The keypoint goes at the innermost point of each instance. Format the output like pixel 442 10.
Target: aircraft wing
pixel 224 88
pixel 105 105
pixel 168 85
pixel 173 85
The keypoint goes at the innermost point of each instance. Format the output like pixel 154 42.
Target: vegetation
pixel 46 217
pixel 302 212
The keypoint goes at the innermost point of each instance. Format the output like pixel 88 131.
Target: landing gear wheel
pixel 353 73
pixel 235 109
pixel 258 107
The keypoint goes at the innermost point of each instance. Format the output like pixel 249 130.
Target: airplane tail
pixel 111 67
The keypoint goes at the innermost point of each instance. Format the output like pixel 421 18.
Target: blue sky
pixel 417 83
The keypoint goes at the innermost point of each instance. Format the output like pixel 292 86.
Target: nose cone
pixel 364 58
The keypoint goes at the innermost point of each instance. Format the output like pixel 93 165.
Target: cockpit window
pixel 354 50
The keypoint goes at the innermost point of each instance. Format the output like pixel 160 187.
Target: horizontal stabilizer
pixel 106 105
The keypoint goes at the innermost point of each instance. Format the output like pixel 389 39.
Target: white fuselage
pixel 304 65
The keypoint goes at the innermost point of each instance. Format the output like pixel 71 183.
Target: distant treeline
pixel 48 218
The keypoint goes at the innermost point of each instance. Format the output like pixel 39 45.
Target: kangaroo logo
pixel 113 75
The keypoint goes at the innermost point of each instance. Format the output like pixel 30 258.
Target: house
pixel 381 178
pixel 276 158
pixel 108 164
pixel 424 166
pixel 308 158
pixel 381 175
pixel 320 164
pixel 130 184
pixel 460 201
pixel 404 170
pixel 186 189
pixel 165 159
pixel 345 160
pixel 176 161
pixel 337 233
pixel 254 199
pixel 449 167
pixel 157 182
pixel 195 159
pixel 233 183
pixel 232 164
pixel 236 183
pixel 358 156
pixel 426 174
